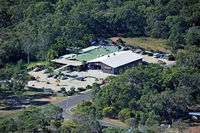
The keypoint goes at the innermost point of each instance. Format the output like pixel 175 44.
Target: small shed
pixel 116 40
pixel 195 116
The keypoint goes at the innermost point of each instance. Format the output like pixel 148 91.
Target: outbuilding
pixel 115 62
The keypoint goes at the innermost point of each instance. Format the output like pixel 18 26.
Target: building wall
pixel 126 66
pixel 107 69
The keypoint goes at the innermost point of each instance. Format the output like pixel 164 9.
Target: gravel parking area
pixel 151 59
pixel 50 83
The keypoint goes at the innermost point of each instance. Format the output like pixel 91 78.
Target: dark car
pixel 55 76
pixel 143 52
pixel 80 78
pixel 50 75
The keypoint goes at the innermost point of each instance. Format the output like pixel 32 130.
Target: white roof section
pixel 88 49
pixel 68 62
pixel 68 56
pixel 117 59
pixel 194 113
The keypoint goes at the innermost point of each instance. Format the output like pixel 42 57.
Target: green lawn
pixel 148 43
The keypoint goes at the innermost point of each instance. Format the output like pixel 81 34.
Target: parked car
pixel 46 71
pixel 143 52
pixel 162 55
pixel 63 77
pixel 138 51
pixel 156 55
pixel 80 78
pixel 55 76
pixel 150 54
pixel 50 75
pixel 36 69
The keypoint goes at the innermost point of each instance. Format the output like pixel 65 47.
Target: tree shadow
pixel 17 102
pixel 39 103
pixel 11 108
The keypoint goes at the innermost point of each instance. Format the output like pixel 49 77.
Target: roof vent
pixel 114 54
pixel 108 55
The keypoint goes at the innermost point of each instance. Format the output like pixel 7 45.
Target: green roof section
pixel 95 53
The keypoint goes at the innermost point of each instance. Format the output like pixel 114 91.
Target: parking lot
pixel 42 81
pixel 151 59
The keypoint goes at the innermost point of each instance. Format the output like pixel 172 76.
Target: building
pixel 116 40
pixel 195 116
pixel 72 61
pixel 115 62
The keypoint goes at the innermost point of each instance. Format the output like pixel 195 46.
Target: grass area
pixel 73 110
pixel 33 64
pixel 9 114
pixel 115 121
pixel 37 99
pixel 148 43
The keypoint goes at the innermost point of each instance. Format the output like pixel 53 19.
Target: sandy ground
pixel 68 83
pixel 192 130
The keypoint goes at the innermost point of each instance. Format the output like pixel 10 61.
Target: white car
pixel 36 69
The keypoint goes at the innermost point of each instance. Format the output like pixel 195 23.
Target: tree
pixel 86 124
pixel 132 122
pixel 125 114
pixel 193 36
pixel 57 82
pixel 35 119
pixel 8 125
pixel 191 58
pixel 109 111
pixel 51 54
pixel 86 107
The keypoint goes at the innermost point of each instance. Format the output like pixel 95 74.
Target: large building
pixel 115 62
pixel 72 61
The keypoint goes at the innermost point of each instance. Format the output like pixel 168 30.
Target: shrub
pixel 125 114
pixel 63 89
pixel 132 122
pixel 71 91
pixel 152 119
pixel 86 107
pixel 109 111
pixel 88 87
pixel 171 58
pixel 81 89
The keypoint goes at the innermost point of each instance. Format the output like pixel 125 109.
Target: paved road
pixel 66 104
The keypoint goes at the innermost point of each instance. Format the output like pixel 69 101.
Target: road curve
pixel 72 101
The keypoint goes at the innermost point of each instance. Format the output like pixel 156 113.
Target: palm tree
pixel 57 81
pixel 51 54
